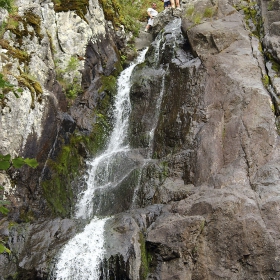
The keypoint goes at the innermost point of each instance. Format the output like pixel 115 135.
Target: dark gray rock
pixel 33 246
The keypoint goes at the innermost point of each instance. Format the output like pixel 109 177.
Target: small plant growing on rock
pixel 270 5
pixel 194 16
pixel 72 89
pixel 276 67
pixel 190 11
pixel 209 12
pixel 72 64
pixel 197 19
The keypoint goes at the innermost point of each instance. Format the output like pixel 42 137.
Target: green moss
pixel 118 68
pixel 26 216
pixel 260 48
pixel 57 190
pixel 18 25
pixel 26 80
pixel 202 226
pixel 197 19
pixel 270 5
pixel 146 258
pixel 109 84
pixel 7 4
pixel 53 50
pixel 65 169
pixel 21 31
pixel 265 80
pixel 11 224
pixel 163 174
pixel 275 66
pixel 79 6
pixel 22 56
pixel 35 21
pixel 251 13
pixel 193 15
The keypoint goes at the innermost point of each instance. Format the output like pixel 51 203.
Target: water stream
pixel 80 257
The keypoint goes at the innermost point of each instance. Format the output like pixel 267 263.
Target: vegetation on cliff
pixel 19 26
pixel 126 13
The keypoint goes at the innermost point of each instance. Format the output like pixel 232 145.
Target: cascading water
pixel 80 257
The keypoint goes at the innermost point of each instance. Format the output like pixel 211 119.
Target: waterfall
pixel 81 256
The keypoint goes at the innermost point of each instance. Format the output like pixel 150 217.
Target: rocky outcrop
pixel 214 174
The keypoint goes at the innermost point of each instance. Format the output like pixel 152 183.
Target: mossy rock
pixel 22 56
pixel 79 6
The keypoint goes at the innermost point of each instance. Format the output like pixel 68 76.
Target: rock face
pixel 214 174
pixel 203 202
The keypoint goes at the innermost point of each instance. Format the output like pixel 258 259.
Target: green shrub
pixel 72 64
pixel 6 4
pixel 72 90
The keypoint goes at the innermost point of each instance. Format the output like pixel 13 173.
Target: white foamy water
pixel 80 257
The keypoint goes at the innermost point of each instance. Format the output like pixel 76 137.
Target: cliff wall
pixel 206 202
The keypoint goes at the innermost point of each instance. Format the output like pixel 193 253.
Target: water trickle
pixel 81 256
pixel 156 118
pixel 158 49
